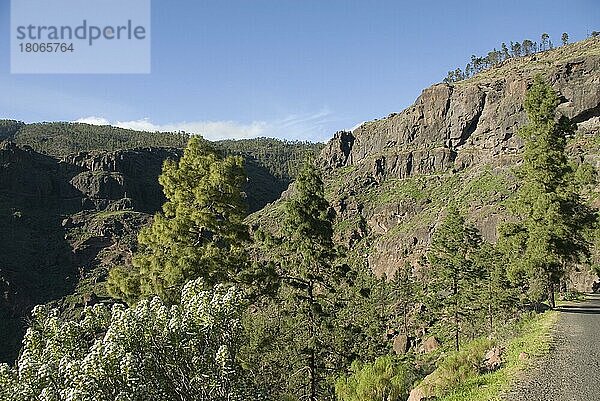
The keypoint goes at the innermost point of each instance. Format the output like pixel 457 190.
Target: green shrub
pixel 573 295
pixel 456 368
pixel 385 379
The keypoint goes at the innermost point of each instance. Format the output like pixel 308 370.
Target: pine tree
pixel 452 275
pixel 405 291
pixel 493 57
pixel 369 310
pixel 554 218
pixel 498 296
pixel 468 70
pixel 200 232
pixel 515 49
pixel 474 64
pixel 528 47
pixel 505 53
pixel 565 38
pixel 545 39
pixel 451 77
pixel 310 277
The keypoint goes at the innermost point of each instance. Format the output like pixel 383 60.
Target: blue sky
pixel 296 69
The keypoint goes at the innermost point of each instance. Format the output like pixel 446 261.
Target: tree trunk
pixel 456 329
pixel 551 293
pixel 312 362
pixel 456 342
pixel 490 309
pixel 312 372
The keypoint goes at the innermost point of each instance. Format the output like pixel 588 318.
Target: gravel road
pixel 571 372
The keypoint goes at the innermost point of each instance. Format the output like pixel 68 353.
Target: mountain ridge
pixel 389 180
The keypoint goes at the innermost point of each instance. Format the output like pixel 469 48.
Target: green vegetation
pixel 282 158
pixel 309 273
pixel 453 274
pixel 530 66
pixel 61 139
pixel 310 276
pixel 458 375
pixel 456 367
pixel 385 379
pixel 271 164
pixel 200 232
pixel 495 57
pixel 8 128
pixel 301 321
pixel 553 216
pixel 522 342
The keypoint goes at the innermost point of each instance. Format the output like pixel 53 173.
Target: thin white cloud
pixel 309 126
pixel 93 120
pixel 215 130
pixel 139 125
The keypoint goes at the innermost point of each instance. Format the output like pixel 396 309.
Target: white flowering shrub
pixel 148 352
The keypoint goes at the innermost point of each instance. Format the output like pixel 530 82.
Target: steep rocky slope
pixel 62 219
pixel 390 179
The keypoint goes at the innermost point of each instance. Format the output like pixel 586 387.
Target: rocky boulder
pixel 401 344
pixel 430 344
pixel 492 359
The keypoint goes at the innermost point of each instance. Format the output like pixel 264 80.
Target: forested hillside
pixel 271 164
pixel 282 158
pixel 61 139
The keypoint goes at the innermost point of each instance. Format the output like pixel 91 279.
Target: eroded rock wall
pixel 452 132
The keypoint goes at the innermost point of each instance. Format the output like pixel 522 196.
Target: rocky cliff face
pixel 85 180
pixel 128 177
pixel 456 143
pixel 471 122
pixel 390 179
pixel 61 219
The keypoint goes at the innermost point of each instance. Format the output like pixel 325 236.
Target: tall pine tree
pixel 498 295
pixel 452 273
pixel 554 217
pixel 311 279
